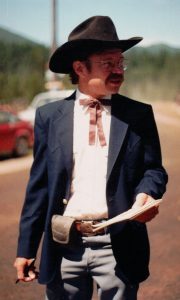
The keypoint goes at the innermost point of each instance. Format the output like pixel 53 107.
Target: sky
pixel 157 21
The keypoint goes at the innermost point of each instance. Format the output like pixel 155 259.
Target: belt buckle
pixel 86 228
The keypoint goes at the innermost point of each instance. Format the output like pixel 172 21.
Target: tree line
pixel 153 76
pixel 22 68
pixel 149 76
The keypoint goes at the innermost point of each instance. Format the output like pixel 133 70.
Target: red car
pixel 16 135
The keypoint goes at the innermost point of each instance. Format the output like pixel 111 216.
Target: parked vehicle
pixel 16 135
pixel 41 99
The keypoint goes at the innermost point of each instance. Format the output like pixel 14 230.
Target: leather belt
pixel 85 228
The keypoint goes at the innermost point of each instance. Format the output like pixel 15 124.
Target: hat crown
pixel 91 36
pixel 96 28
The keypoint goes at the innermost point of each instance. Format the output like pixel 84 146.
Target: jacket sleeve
pixel 35 206
pixel 154 177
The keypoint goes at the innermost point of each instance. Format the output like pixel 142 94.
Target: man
pixel 94 158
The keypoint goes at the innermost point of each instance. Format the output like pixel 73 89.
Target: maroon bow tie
pixel 95 108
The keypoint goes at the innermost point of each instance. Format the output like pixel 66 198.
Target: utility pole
pixel 54 23
pixel 53 81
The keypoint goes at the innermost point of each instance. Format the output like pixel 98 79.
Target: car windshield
pixel 44 98
pixel 41 102
pixel 6 117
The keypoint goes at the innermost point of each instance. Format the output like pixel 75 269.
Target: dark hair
pixel 74 77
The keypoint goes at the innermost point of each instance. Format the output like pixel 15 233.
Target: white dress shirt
pixel 88 186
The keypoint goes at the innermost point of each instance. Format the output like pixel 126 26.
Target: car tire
pixel 22 146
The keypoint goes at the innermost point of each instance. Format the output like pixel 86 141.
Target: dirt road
pixel 164 282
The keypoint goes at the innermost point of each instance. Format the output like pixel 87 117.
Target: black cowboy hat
pixel 90 36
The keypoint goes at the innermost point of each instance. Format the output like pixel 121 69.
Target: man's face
pixel 105 73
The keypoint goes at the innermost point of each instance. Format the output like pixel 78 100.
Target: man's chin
pixel 114 90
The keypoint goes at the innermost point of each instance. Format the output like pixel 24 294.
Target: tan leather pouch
pixel 61 228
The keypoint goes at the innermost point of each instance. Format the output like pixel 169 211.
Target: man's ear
pixel 79 68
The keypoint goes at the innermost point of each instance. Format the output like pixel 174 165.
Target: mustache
pixel 116 76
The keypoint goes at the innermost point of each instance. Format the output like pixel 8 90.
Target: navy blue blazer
pixel 134 166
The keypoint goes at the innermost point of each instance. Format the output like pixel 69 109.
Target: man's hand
pixel 142 199
pixel 25 269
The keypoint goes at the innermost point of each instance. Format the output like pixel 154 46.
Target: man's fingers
pixel 25 269
pixel 20 273
pixel 141 199
pixel 148 215
pixel 31 276
pixel 20 265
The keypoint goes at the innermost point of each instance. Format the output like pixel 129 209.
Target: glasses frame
pixel 109 65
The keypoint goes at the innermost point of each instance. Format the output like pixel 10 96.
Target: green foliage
pixel 152 75
pixel 22 68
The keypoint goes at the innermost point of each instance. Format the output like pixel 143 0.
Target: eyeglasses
pixel 109 65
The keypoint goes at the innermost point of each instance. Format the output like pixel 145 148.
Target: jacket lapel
pixel 118 132
pixel 63 131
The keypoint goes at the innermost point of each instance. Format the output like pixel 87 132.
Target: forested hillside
pixel 152 74
pixel 22 67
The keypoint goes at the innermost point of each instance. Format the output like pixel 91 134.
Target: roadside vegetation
pixel 21 71
pixel 152 74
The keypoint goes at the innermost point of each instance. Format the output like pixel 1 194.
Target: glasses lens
pixel 110 65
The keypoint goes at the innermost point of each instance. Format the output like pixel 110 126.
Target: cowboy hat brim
pixel 62 59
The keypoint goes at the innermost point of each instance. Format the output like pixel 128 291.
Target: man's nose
pixel 117 69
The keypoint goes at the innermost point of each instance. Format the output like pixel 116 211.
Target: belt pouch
pixel 61 228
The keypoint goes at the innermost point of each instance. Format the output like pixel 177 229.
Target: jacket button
pixel 65 201
pixel 110 199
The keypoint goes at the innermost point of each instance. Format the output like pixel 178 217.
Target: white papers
pixel 127 215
